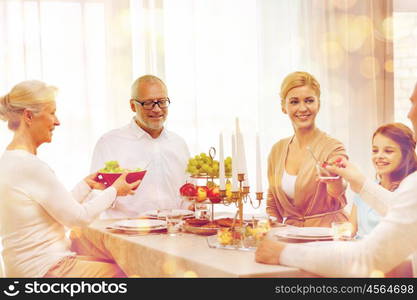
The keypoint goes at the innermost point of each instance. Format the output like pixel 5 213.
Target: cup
pixel 174 222
pixel 201 211
pixel 342 231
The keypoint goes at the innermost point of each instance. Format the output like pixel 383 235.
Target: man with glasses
pixel 146 143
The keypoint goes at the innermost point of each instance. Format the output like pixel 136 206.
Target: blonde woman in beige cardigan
pixel 295 194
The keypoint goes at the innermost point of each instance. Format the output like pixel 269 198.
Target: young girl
pixel 394 158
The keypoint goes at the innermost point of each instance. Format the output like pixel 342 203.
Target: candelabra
pixel 241 197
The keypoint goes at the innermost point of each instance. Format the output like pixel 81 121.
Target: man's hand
pixel 350 173
pixel 268 252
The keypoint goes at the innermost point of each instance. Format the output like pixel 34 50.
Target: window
pixel 405 56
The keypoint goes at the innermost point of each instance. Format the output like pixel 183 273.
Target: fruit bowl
pixel 109 178
pixel 203 176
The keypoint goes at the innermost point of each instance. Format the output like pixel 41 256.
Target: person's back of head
pixel 27 95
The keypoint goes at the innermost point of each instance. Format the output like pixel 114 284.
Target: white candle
pixel 258 166
pixel 221 164
pixel 238 160
pixel 242 160
pixel 234 165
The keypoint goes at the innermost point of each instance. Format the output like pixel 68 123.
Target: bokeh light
pixel 388 28
pixel 389 65
pixel 377 274
pixel 190 274
pixel 169 267
pixel 334 53
pixel 353 31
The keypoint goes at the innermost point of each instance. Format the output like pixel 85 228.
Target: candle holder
pixel 241 197
pixel 237 232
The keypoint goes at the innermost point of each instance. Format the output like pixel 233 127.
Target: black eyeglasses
pixel 150 104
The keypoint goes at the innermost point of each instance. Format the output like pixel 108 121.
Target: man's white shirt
pixel 165 159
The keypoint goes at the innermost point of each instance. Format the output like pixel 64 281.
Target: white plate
pixel 139 225
pixel 305 233
pixel 154 213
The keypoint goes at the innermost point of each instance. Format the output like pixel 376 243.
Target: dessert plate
pixel 138 225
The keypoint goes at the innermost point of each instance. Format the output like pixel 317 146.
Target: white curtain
pixel 84 48
pixel 221 59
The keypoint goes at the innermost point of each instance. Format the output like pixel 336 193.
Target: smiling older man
pixel 145 142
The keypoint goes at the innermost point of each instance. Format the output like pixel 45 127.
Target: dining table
pixel 183 255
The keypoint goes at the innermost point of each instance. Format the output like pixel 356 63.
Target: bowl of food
pixel 109 174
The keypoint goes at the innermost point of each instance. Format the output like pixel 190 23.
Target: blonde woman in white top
pixel 35 207
pixel 388 244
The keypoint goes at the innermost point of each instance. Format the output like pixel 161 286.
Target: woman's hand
pixel 123 188
pixel 268 252
pixel 94 185
pixel 324 174
pixel 335 185
pixel 349 172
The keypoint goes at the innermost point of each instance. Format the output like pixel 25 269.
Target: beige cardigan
pixel 312 205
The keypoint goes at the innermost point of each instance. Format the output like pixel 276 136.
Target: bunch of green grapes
pixel 228 166
pixel 113 166
pixel 204 165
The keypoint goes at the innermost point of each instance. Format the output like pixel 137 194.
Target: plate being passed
pixel 138 225
pixel 183 212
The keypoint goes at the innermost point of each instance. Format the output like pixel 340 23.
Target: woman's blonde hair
pixel 27 95
pixel 297 79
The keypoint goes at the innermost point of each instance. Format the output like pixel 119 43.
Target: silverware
pixel 312 154
pixel 319 168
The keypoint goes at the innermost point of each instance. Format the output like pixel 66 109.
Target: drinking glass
pixel 202 211
pixel 342 231
pixel 174 222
